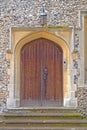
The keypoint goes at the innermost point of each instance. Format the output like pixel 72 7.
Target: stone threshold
pixel 35 108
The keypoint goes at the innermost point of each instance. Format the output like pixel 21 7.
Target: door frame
pixel 16 62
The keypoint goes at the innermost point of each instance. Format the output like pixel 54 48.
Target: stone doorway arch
pixel 16 63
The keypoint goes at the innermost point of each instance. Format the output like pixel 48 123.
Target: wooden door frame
pixel 66 56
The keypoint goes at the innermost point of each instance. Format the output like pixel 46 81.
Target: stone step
pixel 42 110
pixel 44 123
pixel 41 128
pixel 41 118
pixel 41 114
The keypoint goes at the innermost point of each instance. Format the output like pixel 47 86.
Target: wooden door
pixel 41 74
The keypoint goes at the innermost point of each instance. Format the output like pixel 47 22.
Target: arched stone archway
pixel 16 62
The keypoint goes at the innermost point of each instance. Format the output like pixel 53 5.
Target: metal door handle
pixel 45 73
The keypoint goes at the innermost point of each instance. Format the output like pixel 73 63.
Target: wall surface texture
pixel 26 14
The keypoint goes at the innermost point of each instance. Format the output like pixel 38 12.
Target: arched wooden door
pixel 41 74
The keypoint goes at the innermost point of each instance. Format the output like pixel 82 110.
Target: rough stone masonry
pixel 26 13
